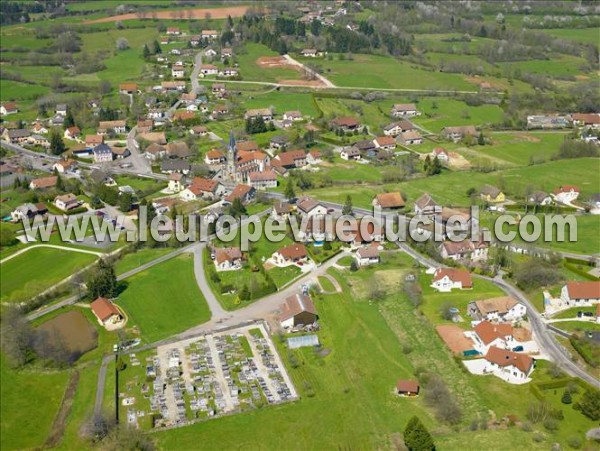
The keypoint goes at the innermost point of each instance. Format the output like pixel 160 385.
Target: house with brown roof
pixel 294 254
pixel 105 312
pixel 499 309
pixel 92 141
pixel 457 133
pixel 173 31
pixel 119 127
pixel 389 201
pixel 581 294
pixel 43 182
pixel 63 166
pixel 263 179
pixel 67 202
pixel 513 367
pixel 155 151
pixel 395 128
pixel 406 387
pixel 566 193
pixel 367 255
pixel 307 206
pixel 491 194
pixel 346 123
pixel 486 334
pixel 208 69
pixel 293 115
pixel 410 137
pixel 228 258
pixel 202 188
pixel 400 110
pixel 465 250
pixel 145 125
pixel 350 153
pixel 426 206
pixel 243 192
pixel 298 310
pixel 447 279
pixel 72 132
pixel 178 149
pixel 282 210
pixel 209 34
pixel 385 142
pixel 265 113
pixel 128 88
pixel 214 157
pixel 586 120
pixel 290 159
pixel 8 108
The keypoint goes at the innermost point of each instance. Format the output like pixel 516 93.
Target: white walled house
pixel 503 308
pixel 447 279
pixel 228 258
pixel 566 194
pixel 581 294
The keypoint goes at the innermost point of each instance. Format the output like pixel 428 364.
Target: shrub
pixel 551 424
pixel 566 397
pixel 575 442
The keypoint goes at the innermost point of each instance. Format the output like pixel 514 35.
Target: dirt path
pixel 323 81
pixel 58 426
pixel 334 282
pixel 182 14
pixel 52 246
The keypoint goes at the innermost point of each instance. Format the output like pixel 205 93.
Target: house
pixel 246 146
pixel 57 119
pixel 202 188
pixel 389 201
pixel 8 108
pixel 173 31
pixel 61 109
pixel 182 115
pixel 43 182
pixel 279 142
pixel 350 153
pixel 292 116
pixel 539 198
pixel 486 334
pixel 566 194
pixel 72 133
pixel 426 206
pixel 218 88
pixel 345 123
pixel 39 128
pixel 100 177
pixel 366 146
pixel 263 179
pixel 548 121
pixel 128 88
pixel 173 86
pixel 410 137
pixel 210 52
pixel 290 159
pixel 441 154
pixel 456 218
pixel 171 165
pixel 208 69
pixel 155 151
pixel 313 157
pixel 209 34
pixel 119 127
pixel 464 250
pixel 581 294
pixel 106 312
pixel 307 206
pixel 385 142
pixel 281 210
pixel 175 182
pixel 214 156
pixel 457 133
pixel 368 255
pixel 177 71
pixel 199 130
pixel 145 125
pixel 243 192
pixel 102 153
pixel 298 310
pixel 491 194
pixel 228 258
pixel 447 279
pixel 228 72
pixel 290 255
pixel 503 308
pixel 220 110
pixel 405 110
pixel 178 149
pixel 591 120
pixel 226 52
pixel 39 140
pixel 92 141
pixel 508 365
pixel 407 387
pixel 265 113
pixel 28 211
pixel 395 128
pixel 67 202
pixel 63 166
pixel 310 53
pixel 16 136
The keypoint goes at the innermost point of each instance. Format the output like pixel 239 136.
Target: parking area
pixel 208 376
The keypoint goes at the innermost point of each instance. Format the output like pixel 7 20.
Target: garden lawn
pixel 165 299
pixel 38 269
pixel 30 401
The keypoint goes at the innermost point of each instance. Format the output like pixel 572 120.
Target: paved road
pixel 140 164
pixel 326 83
pixel 196 72
pixel 546 340
pixel 101 383
pixel 217 311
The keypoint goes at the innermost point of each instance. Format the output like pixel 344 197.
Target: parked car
pixel 518 349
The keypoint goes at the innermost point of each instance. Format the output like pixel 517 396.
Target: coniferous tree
pixel 57 145
pixel 417 437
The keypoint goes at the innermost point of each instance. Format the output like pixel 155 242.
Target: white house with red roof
pixel 566 194
pixel 202 188
pixel 447 279
pixel 581 294
pixel 294 254
pixel 441 154
pixel 228 258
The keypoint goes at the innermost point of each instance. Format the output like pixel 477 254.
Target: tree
pixel 96 203
pixel 481 139
pixel 566 397
pixel 122 44
pixel 17 336
pixel 69 120
pixel 347 208
pixel 417 437
pixel 289 190
pixel 7 237
pixel 103 281
pixel 353 266
pixel 57 145
pixel 237 208
pixel 146 51
pixel 156 47
pixel 590 404
pixel 125 202
pixel 244 293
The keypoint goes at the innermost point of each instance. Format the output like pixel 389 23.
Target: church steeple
pixel 231 141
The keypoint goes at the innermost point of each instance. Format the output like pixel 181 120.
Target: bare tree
pixel 122 44
pixel 17 336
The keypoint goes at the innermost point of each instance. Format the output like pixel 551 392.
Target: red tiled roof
pixel 201 184
pixel 104 309
pixel 584 290
pixel 502 357
pixel 262 176
pixel 456 275
pixel 223 254
pixel 488 332
pixel 501 304
pixel 293 251
pixel 45 182
pixel 246 146
pixel 407 386
pixel 296 304
pixel 390 200
pixel 346 121
pixel 238 192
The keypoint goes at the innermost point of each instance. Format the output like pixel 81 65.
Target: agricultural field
pixel 45 267
pixel 251 70
pixel 583 35
pixel 171 284
pixel 282 101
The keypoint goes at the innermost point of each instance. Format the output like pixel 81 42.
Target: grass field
pixel 16 90
pixel 249 70
pixel 372 71
pixel 584 35
pixel 37 269
pixel 22 425
pixel 139 258
pixel 164 299
pixel 282 102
